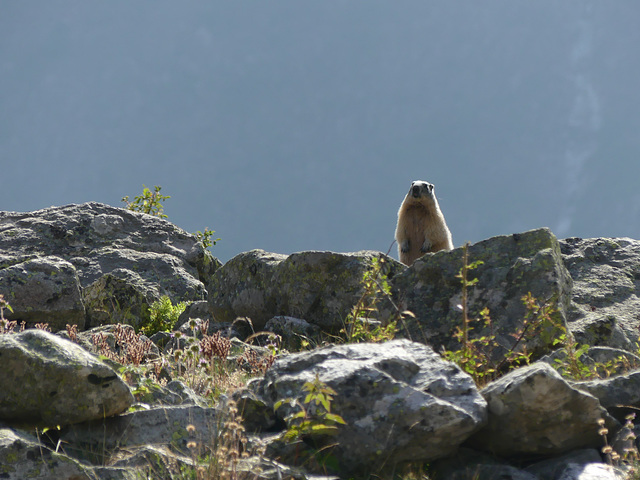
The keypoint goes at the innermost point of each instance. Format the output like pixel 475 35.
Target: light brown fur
pixel 421 227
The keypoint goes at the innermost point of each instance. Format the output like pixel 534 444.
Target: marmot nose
pixel 415 191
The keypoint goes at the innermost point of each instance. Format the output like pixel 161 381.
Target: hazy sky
pixel 297 125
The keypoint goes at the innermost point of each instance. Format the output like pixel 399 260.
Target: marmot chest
pixel 418 219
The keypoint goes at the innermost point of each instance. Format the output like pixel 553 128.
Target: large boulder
pixel 514 265
pixel 44 290
pixel 124 261
pixel 400 400
pixel 534 411
pixel 606 290
pixel 319 287
pixel 49 380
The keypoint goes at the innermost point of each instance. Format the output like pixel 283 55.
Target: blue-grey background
pixel 293 125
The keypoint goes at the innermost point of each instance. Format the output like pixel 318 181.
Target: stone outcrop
pixel 122 260
pixel 606 290
pixel 514 265
pixel 44 290
pixel 292 331
pixel 469 464
pixel 319 287
pixel 618 391
pixel 50 381
pixel 534 411
pixel 23 456
pixel 92 265
pixel 400 400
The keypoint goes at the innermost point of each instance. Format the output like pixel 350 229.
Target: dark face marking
pixel 419 189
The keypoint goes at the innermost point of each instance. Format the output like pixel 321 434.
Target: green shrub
pixel 163 316
pixel 358 325
pixel 149 202
pixel 305 423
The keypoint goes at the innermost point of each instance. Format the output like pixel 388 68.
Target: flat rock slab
pixel 49 380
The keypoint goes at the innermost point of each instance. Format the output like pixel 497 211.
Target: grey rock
pixel 48 380
pixel 320 287
pixel 259 468
pixel 174 393
pixel 606 291
pixel 124 260
pixel 513 266
pixel 592 471
pixel 157 426
pixel 534 411
pixel 467 464
pixel 153 461
pixel 489 472
pixel 292 331
pixel 197 309
pixel 621 390
pixel 159 463
pixel 23 456
pixel 257 415
pixel 600 361
pixel 43 290
pixel 552 468
pixel 401 401
pixel 186 394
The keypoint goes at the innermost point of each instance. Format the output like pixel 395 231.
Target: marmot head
pixel 420 189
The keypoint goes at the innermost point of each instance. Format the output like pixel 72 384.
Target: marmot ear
pixel 430 187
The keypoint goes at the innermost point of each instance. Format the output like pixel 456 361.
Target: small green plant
pixel 475 355
pixel 149 202
pixel 5 325
pixel 163 316
pixel 206 237
pixel 360 325
pixel 572 364
pixel 4 304
pixel 313 417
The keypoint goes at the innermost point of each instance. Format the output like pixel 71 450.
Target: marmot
pixel 421 226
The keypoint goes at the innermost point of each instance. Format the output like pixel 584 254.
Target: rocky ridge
pixel 92 266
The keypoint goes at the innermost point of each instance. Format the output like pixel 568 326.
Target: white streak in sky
pixel 584 121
